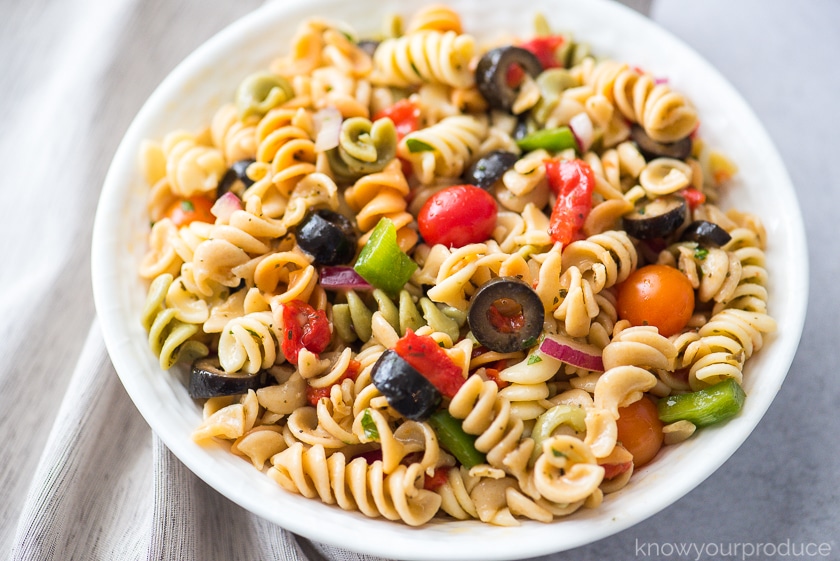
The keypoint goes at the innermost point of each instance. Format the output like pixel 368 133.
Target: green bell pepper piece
pixel 452 437
pixel 704 407
pixel 553 140
pixel 381 262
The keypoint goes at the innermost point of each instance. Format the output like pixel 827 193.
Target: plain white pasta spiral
pixel 604 259
pixel 425 56
pixel 666 115
pixel 191 167
pixel 726 341
pixel 443 149
pixel 355 485
pixel 249 343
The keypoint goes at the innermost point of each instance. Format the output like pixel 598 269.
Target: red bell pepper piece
pixel 405 114
pixel 545 49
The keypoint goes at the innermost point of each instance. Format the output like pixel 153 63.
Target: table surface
pixel 74 73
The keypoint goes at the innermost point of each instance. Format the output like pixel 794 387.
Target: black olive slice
pixel 409 392
pixel 706 233
pixel 651 149
pixel 368 46
pixel 328 236
pixel 487 170
pixel 506 315
pixel 207 379
pixel 656 218
pixel 235 179
pixel 492 72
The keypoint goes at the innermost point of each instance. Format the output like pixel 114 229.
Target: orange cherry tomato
pixel 656 295
pixel 640 430
pixel 184 211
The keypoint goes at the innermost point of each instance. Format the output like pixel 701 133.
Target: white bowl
pixel 208 77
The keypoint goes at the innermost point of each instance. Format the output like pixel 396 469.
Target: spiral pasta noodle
pixel 379 195
pixel 443 149
pixel 665 114
pixel 354 485
pixel 425 56
pixel 170 338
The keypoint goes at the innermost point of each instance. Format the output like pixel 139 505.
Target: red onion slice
pixel 327 128
pixel 342 278
pixel 575 353
pixel 226 205
pixel 583 130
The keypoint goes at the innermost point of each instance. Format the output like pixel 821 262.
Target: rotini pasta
pixel 416 289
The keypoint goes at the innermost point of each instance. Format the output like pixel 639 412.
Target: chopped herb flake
pixel 369 426
pixel 415 146
pixel 530 342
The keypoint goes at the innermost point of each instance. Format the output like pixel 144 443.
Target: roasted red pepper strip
pixel 693 197
pixel 303 327
pixel 614 470
pixel 573 182
pixel 425 356
pixel 405 114
pixel 314 395
pixel 437 479
pixel 545 49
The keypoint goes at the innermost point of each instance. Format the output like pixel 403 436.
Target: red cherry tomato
pixel 304 327
pixel 427 358
pixel 458 216
pixel 573 182
pixel 405 114
pixel 656 295
pixel 640 430
pixel 193 209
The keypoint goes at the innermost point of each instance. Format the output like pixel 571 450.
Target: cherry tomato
pixel 425 356
pixel 640 430
pixel 656 295
pixel 193 209
pixel 458 216
pixel 405 114
pixel 573 182
pixel 304 327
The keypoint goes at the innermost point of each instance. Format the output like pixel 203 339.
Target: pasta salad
pixel 419 276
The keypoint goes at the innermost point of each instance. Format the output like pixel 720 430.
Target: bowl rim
pixel 313 520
